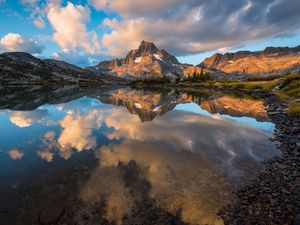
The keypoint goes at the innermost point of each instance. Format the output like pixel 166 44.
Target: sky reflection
pixel 190 159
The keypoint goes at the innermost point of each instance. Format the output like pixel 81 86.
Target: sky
pixel 84 32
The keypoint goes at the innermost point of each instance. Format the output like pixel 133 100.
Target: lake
pixel 75 155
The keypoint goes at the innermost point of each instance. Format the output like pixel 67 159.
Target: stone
pixel 50 215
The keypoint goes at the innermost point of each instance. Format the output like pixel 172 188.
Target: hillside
pixel 23 68
pixel 270 61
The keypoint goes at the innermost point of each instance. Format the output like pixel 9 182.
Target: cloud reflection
pixel 15 154
pixel 191 172
pixel 77 130
pixel 27 118
pixel 46 155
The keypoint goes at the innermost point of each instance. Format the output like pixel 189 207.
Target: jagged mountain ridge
pixel 147 60
pixel 270 61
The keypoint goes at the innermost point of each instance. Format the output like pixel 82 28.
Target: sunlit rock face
pixel 271 61
pixel 148 61
pixel 237 107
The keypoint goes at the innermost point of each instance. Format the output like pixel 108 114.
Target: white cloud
pixel 16 42
pixel 129 8
pixel 70 28
pixel 26 119
pixel 72 56
pixel 189 27
pixel 78 131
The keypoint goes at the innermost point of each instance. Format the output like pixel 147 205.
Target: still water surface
pixel 126 156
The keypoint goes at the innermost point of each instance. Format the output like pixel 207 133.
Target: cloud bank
pixel 69 24
pixel 12 42
pixel 189 27
pixel 180 27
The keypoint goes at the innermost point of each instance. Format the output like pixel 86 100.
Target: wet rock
pixel 296 220
pixel 50 215
pixel 273 196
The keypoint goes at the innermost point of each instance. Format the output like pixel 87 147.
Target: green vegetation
pixel 250 85
pixel 290 92
pixel 151 81
pixel 273 77
pixel 294 108
pixel 201 77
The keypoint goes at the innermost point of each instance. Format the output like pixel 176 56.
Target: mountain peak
pixel 147 47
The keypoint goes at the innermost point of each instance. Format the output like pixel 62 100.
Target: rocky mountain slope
pixel 23 68
pixel 270 61
pixel 147 61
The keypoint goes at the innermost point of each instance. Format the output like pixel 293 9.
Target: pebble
pixel 50 215
pixel 273 196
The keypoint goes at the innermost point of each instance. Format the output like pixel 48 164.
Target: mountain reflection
pixel 154 151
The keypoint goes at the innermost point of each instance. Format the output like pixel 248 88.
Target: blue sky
pixel 84 32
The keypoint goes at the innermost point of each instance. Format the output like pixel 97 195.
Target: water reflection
pixel 183 164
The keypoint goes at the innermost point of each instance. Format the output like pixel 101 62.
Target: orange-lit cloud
pixel 28 118
pixel 46 155
pixel 77 130
pixel 15 154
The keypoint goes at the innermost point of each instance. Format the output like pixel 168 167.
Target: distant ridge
pixel 23 68
pixel 148 61
pixel 270 61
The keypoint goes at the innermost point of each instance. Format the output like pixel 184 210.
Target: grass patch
pixel 294 108
pixel 273 77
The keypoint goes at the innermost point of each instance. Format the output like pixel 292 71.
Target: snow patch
pixel 230 61
pixel 138 105
pixel 33 63
pixel 156 108
pixel 137 59
pixel 157 57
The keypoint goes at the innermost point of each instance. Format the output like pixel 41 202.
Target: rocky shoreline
pixel 273 197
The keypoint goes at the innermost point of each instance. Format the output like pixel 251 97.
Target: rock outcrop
pixel 270 61
pixel 147 61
